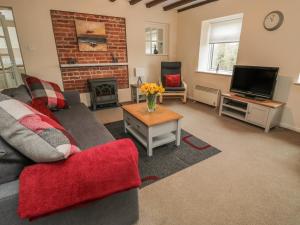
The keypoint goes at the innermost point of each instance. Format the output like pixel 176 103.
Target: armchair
pixel 169 69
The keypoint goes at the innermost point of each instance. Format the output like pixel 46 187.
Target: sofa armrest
pixel 72 97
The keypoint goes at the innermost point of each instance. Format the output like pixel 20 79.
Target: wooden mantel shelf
pixel 92 65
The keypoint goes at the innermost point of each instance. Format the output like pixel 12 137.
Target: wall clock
pixel 273 20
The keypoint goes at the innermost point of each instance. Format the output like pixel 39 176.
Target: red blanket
pixel 89 175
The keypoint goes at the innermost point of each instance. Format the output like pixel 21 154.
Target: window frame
pixel 206 51
pixel 156 26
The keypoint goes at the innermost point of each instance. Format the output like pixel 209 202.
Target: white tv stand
pixel 262 113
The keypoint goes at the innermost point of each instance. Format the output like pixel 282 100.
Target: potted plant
pixel 151 90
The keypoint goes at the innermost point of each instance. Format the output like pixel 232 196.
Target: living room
pixel 205 151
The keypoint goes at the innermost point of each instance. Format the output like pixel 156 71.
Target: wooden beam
pixel 177 4
pixel 154 3
pixel 196 5
pixel 133 2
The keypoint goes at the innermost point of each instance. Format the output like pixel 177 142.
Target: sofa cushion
pixel 42 108
pixel 33 134
pixel 47 92
pixel 87 131
pixel 11 162
pixel 20 93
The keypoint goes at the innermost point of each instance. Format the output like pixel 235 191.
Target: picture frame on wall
pixel 91 36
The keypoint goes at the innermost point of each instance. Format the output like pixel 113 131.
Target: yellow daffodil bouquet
pixel 151 90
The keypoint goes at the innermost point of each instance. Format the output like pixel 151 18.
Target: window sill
pixel 220 73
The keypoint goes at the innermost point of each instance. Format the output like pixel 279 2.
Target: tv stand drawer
pixel 257 114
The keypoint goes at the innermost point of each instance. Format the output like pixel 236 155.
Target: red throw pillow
pixel 173 80
pixel 42 108
pixel 47 92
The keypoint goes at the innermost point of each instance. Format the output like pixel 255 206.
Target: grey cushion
pixel 20 93
pixel 11 162
pixel 18 127
pixel 80 122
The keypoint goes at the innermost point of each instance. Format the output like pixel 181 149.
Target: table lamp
pixel 139 72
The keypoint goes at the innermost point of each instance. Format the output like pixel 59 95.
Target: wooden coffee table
pixel 152 129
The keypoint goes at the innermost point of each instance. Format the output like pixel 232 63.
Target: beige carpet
pixel 254 181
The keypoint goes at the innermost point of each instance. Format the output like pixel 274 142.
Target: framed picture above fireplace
pixel 91 36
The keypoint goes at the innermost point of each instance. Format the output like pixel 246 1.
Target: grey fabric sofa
pixel 117 209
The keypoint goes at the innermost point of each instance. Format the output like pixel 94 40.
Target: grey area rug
pixel 167 159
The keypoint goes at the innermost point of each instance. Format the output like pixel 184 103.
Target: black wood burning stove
pixel 104 92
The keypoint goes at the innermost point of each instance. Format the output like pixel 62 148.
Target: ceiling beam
pixel 133 2
pixel 177 4
pixel 154 3
pixel 196 5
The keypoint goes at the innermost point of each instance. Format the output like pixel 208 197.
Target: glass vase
pixel 151 102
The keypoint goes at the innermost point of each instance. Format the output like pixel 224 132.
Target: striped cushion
pixel 32 133
pixel 46 91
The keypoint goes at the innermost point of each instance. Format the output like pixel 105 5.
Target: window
pixel 11 62
pixel 219 44
pixel 156 39
pixel 8 15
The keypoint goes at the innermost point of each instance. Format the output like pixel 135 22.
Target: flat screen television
pixel 254 81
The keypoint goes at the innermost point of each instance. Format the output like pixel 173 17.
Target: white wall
pixel 258 47
pixel 37 42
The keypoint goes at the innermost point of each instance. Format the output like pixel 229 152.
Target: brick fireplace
pixel 78 67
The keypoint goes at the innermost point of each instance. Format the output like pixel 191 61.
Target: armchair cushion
pixel 170 89
pixel 173 80
pixel 170 68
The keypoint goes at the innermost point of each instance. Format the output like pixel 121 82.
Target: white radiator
pixel 207 95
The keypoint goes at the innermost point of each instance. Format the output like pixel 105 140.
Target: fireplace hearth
pixel 104 92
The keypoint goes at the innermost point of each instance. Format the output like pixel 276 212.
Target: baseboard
pixel 290 127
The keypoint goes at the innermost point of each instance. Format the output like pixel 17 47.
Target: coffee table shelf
pixel 156 142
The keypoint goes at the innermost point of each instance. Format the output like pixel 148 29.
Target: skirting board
pixel 290 127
